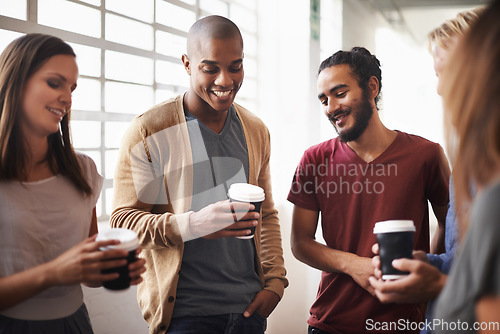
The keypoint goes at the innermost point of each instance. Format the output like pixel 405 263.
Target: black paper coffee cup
pixel 248 193
pixel 395 241
pixel 129 242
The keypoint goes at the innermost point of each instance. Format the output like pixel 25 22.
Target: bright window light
pixel 129 32
pixel 170 44
pixel 174 16
pixel 128 98
pixel 87 95
pixel 86 134
pixel 88 59
pixel 138 69
pixel 141 10
pixel 76 17
pixel 15 9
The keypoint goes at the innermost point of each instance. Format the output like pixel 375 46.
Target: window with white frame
pixel 128 53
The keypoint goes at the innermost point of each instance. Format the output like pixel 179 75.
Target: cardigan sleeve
pixel 271 251
pixel 141 201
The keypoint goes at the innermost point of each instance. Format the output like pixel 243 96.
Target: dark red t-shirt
pixel 352 196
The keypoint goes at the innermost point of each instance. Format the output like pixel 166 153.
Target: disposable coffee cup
pixel 395 241
pixel 129 242
pixel 248 193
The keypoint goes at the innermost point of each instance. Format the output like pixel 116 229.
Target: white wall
pixel 285 106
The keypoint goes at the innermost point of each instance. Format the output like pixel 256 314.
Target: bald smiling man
pixel 205 273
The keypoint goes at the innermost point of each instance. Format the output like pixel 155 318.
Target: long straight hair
pixel 18 62
pixel 471 95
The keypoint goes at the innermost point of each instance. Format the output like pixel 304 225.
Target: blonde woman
pixel 470 301
pixel 443 39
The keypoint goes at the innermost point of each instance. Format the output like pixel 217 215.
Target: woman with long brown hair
pixel 48 195
pixel 470 301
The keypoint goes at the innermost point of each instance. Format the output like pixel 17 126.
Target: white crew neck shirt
pixel 38 222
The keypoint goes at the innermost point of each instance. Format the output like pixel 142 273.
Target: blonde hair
pixel 457 26
pixel 472 108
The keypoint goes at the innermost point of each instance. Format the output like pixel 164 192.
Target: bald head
pixel 211 27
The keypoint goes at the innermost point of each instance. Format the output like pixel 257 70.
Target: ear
pixel 187 63
pixel 373 87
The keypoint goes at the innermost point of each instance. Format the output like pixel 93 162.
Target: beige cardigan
pixel 158 141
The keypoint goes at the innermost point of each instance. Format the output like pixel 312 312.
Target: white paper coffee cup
pixel 248 193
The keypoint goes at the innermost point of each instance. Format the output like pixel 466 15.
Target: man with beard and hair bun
pixel 367 174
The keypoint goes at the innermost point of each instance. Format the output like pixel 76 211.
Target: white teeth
pixel 339 117
pixel 58 112
pixel 220 93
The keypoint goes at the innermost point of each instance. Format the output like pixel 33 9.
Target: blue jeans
pixel 233 323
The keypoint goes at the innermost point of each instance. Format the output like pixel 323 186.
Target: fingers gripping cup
pixel 129 242
pixel 395 241
pixel 248 193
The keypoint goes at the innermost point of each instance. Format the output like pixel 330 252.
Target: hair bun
pixel 365 53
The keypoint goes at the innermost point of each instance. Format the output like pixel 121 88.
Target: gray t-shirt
pixel 476 272
pixel 216 276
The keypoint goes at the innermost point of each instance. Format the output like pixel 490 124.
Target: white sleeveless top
pixel 38 222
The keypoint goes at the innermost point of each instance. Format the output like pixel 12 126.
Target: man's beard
pixel 362 113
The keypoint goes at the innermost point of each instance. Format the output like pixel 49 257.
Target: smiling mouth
pixel 222 93
pixel 58 112
pixel 338 116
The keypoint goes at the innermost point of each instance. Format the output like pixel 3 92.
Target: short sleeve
pixel 438 178
pixel 94 179
pixel 302 192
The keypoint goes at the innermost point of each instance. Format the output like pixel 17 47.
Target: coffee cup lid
pixel 128 238
pixel 246 192
pixel 394 226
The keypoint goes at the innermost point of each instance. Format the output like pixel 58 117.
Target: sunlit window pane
pixel 215 7
pixel 6 37
pixel 247 4
pixel 174 16
pixel 243 18
pixel 86 134
pixel 15 9
pixel 163 95
pixel 249 44
pixel 109 200
pixel 170 44
pixel 129 32
pixel 138 9
pixel 248 89
pixel 250 66
pixel 87 95
pixel 126 67
pixel 98 210
pixel 114 133
pixel 172 74
pixel 88 59
pixel 76 17
pixel 128 98
pixel 111 159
